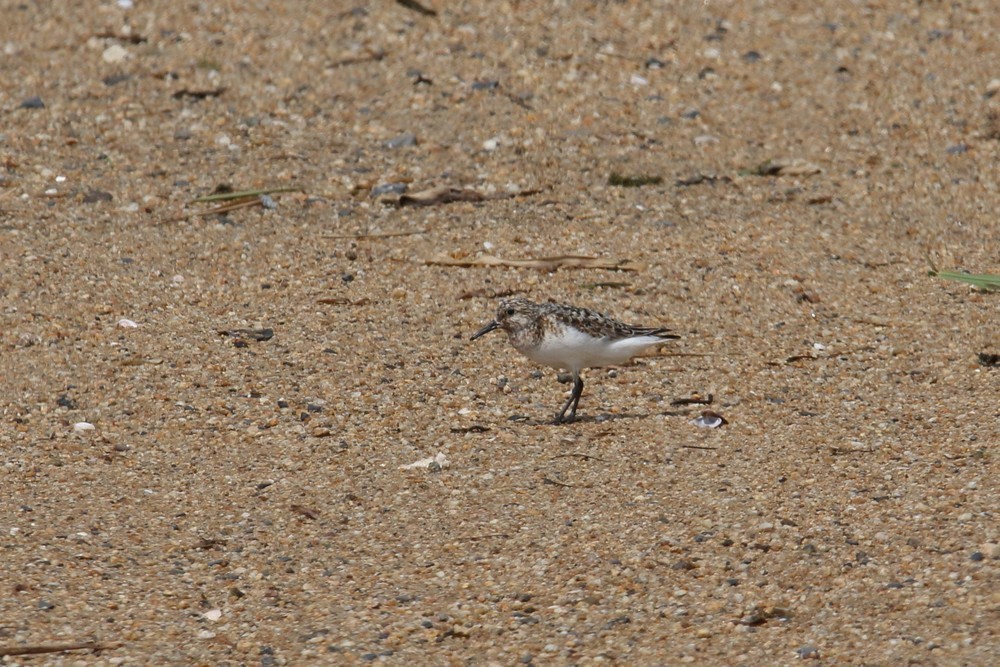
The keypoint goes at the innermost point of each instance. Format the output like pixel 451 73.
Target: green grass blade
pixel 984 281
pixel 226 196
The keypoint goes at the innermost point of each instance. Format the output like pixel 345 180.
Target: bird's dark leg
pixel 574 400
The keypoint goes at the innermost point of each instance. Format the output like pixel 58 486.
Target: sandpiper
pixel 572 339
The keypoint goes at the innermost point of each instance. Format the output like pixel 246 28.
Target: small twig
pixel 605 54
pixel 549 480
pixel 580 455
pixel 486 536
pixel 690 354
pixel 227 196
pixel 307 512
pixel 840 451
pixel 56 648
pixel 232 206
pixel 372 56
pixel 417 7
pixel 698 447
pixel 377 235
pixel 694 400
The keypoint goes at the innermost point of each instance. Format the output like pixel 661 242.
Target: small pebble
pixel 388 189
pixel 402 141
pixel 114 54
pixel 95 196
pixel 807 652
pixel 33 103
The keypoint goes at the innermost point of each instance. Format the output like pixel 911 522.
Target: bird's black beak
pixel 485 330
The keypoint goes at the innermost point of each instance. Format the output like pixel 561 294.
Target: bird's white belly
pixel 573 350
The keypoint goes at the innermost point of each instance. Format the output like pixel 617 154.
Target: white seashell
pixel 438 461
pixel 82 427
pixel 127 324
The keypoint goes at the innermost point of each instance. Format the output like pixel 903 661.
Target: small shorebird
pixel 571 338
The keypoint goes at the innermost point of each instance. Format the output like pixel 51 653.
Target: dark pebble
pixel 976 556
pixel 33 103
pixel 486 85
pixel 427 623
pixel 312 407
pixel 655 63
pixel 65 401
pixel 368 657
pixel 95 196
pixel 115 79
pixel 402 141
pixel 894 585
pixel 957 149
pixel 282 404
pixel 45 605
pixel 347 277
pixel 691 115
pixel 182 134
pixel 751 57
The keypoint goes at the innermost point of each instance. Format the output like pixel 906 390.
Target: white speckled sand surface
pixel 241 501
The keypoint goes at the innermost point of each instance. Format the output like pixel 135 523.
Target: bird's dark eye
pixel 510 311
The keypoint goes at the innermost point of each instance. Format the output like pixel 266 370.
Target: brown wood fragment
pixel 56 648
pixel 308 513
pixel 417 7
pixel 541 263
